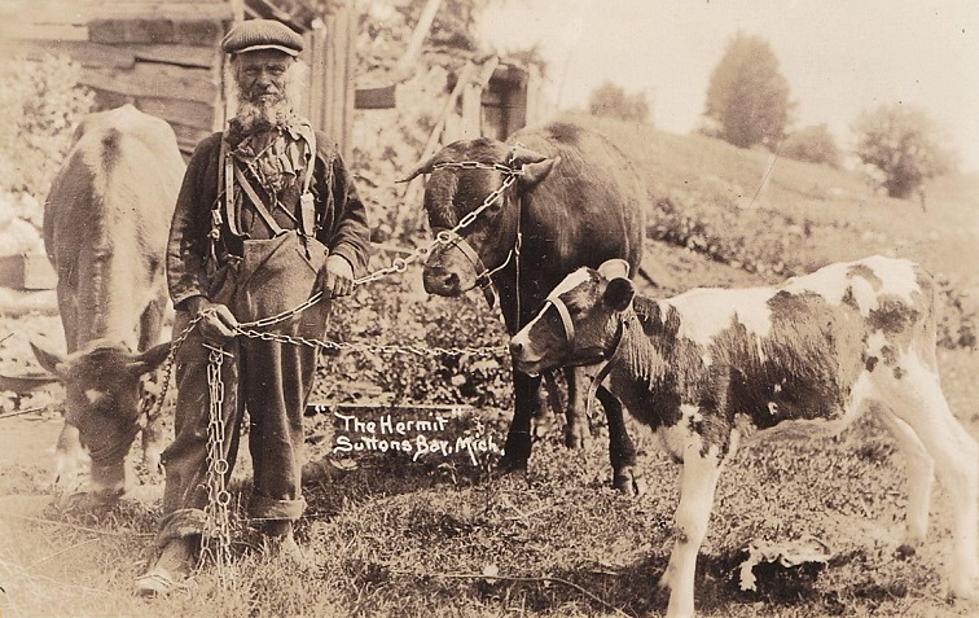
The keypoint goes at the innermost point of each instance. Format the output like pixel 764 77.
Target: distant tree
pixel 748 96
pixel 901 142
pixel 814 144
pixel 612 101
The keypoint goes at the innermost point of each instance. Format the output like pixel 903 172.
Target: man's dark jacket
pixel 341 217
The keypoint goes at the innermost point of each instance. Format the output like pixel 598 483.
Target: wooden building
pixel 164 56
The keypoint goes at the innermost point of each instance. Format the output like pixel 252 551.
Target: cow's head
pixel 579 322
pixel 102 403
pixel 452 193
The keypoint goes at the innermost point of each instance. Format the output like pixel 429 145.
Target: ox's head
pixel 579 322
pixel 102 387
pixel 452 193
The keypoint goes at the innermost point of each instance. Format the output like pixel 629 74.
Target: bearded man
pixel 267 216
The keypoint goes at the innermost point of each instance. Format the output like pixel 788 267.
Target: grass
pixel 443 537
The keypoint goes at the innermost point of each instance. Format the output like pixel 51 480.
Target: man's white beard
pixel 263 114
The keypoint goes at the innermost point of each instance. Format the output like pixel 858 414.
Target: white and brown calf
pixel 712 367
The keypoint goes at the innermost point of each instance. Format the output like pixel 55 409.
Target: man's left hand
pixel 336 277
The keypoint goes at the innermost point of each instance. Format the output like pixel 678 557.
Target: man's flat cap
pixel 255 34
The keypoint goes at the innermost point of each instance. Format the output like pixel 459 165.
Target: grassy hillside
pixel 711 197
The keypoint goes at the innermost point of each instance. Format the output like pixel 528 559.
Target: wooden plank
pixel 85 53
pixel 43 32
pixel 144 82
pixel 200 32
pixel 346 141
pixel 173 53
pixel 174 110
pixel 375 98
pixel 81 12
pixel 188 137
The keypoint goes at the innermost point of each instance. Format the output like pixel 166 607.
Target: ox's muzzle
pixel 455 267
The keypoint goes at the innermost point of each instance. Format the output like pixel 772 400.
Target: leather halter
pixel 606 358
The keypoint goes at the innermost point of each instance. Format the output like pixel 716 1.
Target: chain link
pixel 216 536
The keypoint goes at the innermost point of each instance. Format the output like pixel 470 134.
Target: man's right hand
pixel 218 324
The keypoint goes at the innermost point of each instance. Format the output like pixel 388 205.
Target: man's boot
pixel 171 569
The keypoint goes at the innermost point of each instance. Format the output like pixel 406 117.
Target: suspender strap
pixel 310 137
pixel 228 166
pixel 307 206
pixel 256 201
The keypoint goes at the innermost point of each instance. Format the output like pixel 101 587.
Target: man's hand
pixel 218 323
pixel 336 277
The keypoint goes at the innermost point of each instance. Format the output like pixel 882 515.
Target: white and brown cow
pixel 106 221
pixel 712 367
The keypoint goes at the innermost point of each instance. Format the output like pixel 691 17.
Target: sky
pixel 839 58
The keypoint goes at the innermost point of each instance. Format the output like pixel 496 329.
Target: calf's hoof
pixel 628 482
pixel 577 435
pixel 510 464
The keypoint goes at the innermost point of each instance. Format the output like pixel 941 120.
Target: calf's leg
pixel 577 433
pixel 698 480
pixel 916 398
pixel 621 450
pixel 920 468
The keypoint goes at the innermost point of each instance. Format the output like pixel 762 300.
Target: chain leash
pixel 216 536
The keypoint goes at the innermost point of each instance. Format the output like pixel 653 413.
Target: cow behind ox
pixel 106 221
pixel 710 367
pixel 577 202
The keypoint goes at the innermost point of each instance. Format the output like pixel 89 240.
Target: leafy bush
pixel 612 101
pixel 814 144
pixel 901 143
pixel 40 104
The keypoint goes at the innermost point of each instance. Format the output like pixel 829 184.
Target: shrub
pixel 813 144
pixel 612 101
pixel 40 104
pixel 901 143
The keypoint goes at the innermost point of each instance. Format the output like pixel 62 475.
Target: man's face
pixel 262 76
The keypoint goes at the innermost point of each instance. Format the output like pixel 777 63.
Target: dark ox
pixel 577 203
pixel 712 367
pixel 106 221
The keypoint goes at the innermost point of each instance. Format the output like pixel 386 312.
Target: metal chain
pixel 336 346
pixel 400 264
pixel 216 536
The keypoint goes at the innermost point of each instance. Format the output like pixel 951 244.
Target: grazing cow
pixel 106 221
pixel 710 367
pixel 577 203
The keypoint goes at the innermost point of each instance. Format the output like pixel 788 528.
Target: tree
pixel 748 97
pixel 901 143
pixel 814 144
pixel 612 101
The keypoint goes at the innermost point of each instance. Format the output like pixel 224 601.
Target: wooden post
pixel 418 36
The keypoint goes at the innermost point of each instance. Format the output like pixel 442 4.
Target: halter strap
pixel 562 310
pixel 605 369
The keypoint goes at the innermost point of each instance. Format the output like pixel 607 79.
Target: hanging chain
pixel 216 536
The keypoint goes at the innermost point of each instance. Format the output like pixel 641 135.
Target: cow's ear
pixel 619 293
pixel 52 362
pixel 149 360
pixel 534 173
pixel 616 267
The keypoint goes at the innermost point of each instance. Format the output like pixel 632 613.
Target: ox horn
pixel 614 268
pixel 521 155
pixel 423 168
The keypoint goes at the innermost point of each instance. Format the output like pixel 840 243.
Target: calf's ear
pixel 616 267
pixel 534 173
pixel 149 360
pixel 52 362
pixel 619 293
